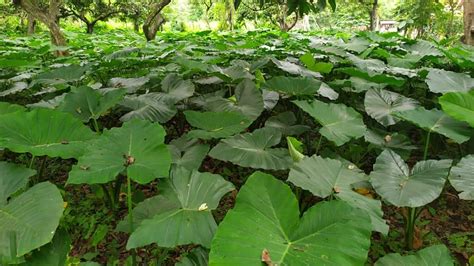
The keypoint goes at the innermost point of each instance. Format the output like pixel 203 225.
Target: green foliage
pixel 29 220
pixel 184 204
pixel 278 234
pixel 438 255
pixel 136 148
pixel 400 186
pixel 339 123
pixel 181 123
pixel 44 132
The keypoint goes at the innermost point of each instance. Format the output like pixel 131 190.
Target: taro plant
pixel 29 217
pixel 253 150
pixel 434 255
pixel 412 188
pixel 88 104
pixel 181 213
pixel 263 227
pixel 135 151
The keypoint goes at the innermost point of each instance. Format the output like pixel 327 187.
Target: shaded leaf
pixel 253 150
pixel 181 218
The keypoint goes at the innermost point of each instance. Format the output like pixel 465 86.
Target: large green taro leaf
pixel 300 86
pixel 286 124
pixel 377 78
pixel 60 75
pixel 137 148
pixel 265 223
pixel 52 254
pixel 253 150
pixel 6 108
pixel 30 220
pixel 248 101
pixel 216 124
pixel 44 132
pixel 462 177
pixel 155 107
pixel 423 48
pixel 181 213
pixel 435 255
pixel 387 140
pixel 340 122
pixel 442 81
pixel 187 152
pixel 86 103
pixel 324 177
pixel 437 121
pixel 381 104
pixel 459 105
pixel 130 84
pixel 176 88
pixel 394 182
pixel 12 178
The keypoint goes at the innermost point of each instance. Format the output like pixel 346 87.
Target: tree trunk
pixel 154 20
pixel 31 25
pixel 50 18
pixel 469 22
pixel 90 28
pixel 374 18
pixel 153 27
pixel 136 25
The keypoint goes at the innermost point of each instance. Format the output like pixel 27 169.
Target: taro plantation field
pixel 263 148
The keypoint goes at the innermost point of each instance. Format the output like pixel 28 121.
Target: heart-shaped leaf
pixel 181 213
pixel 6 108
pixel 265 224
pixel 340 123
pixel 130 84
pixel 394 182
pixel 176 88
pixel 216 124
pixel 437 121
pixel 300 86
pixel 324 177
pixel 153 107
pixel 30 220
pixel 286 124
pixel 253 150
pixel 44 132
pixel 381 104
pixel 377 78
pixel 187 152
pixel 248 101
pixel 60 75
pixel 397 142
pixel 435 255
pixel 54 253
pixel 459 105
pixel 442 81
pixel 86 103
pixel 12 178
pixel 462 177
pixel 137 148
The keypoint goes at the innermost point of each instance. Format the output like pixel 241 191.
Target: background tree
pixel 154 19
pixel 284 13
pixel 47 13
pixel 134 11
pixel 469 22
pixel 372 7
pixel 92 11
